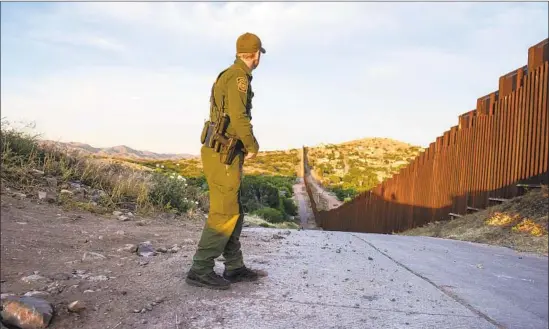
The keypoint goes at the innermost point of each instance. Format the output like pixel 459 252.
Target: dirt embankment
pixel 65 256
pixel 520 224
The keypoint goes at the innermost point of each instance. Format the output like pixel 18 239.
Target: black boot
pixel 241 274
pixel 211 281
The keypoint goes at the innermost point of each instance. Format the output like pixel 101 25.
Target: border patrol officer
pixel 231 94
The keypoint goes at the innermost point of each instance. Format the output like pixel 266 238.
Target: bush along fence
pixel 494 152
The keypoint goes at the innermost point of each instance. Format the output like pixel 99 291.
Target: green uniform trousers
pixel 221 233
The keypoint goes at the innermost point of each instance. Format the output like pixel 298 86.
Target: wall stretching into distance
pixel 501 143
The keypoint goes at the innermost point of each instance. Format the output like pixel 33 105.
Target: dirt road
pixel 304 206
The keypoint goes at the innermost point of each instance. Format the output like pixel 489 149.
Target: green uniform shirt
pixel 233 95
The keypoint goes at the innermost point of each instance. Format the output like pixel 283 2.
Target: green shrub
pixel 172 193
pixel 265 191
pixel 334 179
pixel 199 181
pixel 290 207
pixel 344 193
pixel 270 214
pixel 250 205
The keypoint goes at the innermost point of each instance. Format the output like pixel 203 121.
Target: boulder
pixel 26 312
pixel 145 249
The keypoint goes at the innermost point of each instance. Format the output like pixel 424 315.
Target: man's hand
pixel 250 156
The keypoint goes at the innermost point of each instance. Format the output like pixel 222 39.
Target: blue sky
pixel 139 73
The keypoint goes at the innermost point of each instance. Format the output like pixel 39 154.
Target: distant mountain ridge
pixel 119 151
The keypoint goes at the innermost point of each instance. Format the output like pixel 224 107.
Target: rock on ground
pixel 26 312
pixel 76 306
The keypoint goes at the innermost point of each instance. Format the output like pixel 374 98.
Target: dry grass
pixel 256 221
pixel 120 182
pixel 520 224
pixel 26 165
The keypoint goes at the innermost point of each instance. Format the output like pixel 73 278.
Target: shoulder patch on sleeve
pixel 242 84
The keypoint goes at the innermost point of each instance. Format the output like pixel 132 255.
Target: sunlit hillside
pixel 277 163
pixel 359 165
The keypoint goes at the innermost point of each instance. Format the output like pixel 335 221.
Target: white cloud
pixel 103 43
pixel 277 23
pixel 78 39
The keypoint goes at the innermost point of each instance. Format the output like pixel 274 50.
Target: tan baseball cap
pixel 249 43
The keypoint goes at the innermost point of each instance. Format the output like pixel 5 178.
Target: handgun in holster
pixel 215 138
pixel 230 149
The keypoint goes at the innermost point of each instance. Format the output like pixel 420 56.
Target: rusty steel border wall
pixel 306 177
pixel 480 161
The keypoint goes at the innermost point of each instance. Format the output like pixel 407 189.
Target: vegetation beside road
pixel 102 185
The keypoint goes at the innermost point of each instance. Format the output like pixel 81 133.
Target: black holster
pixel 207 134
pixel 227 146
pixel 229 152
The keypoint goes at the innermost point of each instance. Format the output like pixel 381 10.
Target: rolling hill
pixel 120 151
pixel 346 168
pixel 356 166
